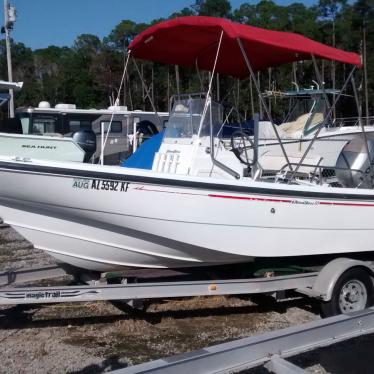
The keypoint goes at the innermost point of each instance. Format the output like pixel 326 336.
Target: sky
pixel 41 23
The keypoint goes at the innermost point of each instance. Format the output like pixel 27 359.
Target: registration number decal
pixel 100 185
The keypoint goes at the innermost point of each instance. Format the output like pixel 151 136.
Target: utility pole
pixel 9 19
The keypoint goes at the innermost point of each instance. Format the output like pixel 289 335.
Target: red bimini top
pixel 193 41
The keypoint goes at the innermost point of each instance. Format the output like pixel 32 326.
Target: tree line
pixel 89 72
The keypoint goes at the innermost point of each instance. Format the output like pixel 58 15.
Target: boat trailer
pixel 342 285
pixel 336 283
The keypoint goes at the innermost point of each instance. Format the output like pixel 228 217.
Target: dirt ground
pixel 96 337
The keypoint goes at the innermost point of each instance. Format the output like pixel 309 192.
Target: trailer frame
pixel 318 284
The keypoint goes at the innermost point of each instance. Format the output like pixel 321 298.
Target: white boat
pixel 112 128
pixel 20 144
pixel 199 205
pixel 308 110
pixel 41 147
pixel 157 220
pixel 67 133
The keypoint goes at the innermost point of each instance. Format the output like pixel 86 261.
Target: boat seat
pixel 300 123
pixel 274 162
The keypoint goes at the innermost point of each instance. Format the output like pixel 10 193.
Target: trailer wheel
pixel 352 292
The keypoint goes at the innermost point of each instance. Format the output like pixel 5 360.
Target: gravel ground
pixel 96 337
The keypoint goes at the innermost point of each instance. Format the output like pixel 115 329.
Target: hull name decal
pixel 100 185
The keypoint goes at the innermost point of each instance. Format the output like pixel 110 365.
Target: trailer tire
pixel 352 292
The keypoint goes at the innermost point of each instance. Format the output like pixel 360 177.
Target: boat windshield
pixel 185 118
pixel 317 115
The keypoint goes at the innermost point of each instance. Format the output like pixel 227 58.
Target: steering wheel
pixel 239 146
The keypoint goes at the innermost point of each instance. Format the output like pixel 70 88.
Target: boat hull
pixel 102 244
pixel 41 147
pixel 118 218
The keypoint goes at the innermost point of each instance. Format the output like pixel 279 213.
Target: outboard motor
pixel 354 156
pixel 86 139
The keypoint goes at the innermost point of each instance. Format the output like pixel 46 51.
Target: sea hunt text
pixel 100 184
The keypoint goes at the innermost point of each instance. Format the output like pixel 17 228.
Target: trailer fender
pixel 328 276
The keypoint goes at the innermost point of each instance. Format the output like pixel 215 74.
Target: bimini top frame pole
pixel 267 110
pixel 208 104
pixel 323 124
pixel 191 41
pixel 209 93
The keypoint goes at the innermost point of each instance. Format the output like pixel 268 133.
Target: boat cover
pixel 192 41
pixel 143 157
